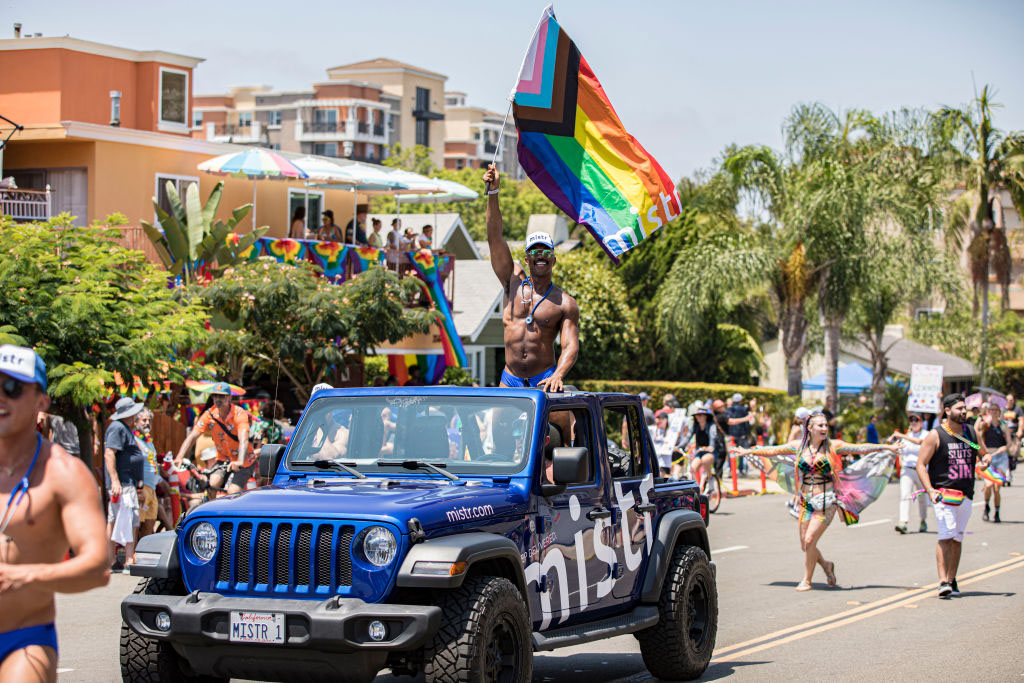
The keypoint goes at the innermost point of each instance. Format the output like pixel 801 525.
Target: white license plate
pixel 257 627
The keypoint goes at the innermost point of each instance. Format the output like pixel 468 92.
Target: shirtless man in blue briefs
pixel 50 503
pixel 535 311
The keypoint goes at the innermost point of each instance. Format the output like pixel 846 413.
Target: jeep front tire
pixel 679 647
pixel 484 635
pixel 148 660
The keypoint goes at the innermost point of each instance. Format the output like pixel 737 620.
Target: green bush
pixel 1008 376
pixel 374 367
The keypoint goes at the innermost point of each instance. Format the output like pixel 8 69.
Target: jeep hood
pixel 434 503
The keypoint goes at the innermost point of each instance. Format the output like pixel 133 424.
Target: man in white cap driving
pixel 535 311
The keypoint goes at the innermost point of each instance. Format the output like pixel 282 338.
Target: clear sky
pixel 687 77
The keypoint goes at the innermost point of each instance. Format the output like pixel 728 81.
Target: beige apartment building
pixel 473 137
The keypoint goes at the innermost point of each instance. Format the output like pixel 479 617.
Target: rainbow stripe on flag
pixel 364 257
pixel 427 266
pixel 991 474
pixel 330 257
pixel 576 150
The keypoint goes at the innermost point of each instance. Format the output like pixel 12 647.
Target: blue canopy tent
pixel 852 378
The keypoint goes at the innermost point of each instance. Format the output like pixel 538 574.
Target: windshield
pixel 470 435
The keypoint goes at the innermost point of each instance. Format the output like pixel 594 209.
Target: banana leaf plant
pixel 189 239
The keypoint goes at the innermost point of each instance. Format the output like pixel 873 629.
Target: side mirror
pixel 571 465
pixel 270 459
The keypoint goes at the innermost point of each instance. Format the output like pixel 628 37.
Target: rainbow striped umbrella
pixel 253 163
pixel 256 163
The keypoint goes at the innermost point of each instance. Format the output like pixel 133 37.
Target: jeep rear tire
pixel 148 660
pixel 679 647
pixel 484 635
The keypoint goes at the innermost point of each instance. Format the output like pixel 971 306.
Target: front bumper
pixel 316 632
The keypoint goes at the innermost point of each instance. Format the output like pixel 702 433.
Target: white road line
pixel 877 521
pixel 728 550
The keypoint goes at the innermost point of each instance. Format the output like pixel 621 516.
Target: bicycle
pixel 712 487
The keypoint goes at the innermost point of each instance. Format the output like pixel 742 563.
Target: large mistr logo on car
pixel 554 561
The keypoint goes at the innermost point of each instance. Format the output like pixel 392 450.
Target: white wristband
pixel 494 191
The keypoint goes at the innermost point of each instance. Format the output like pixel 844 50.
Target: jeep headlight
pixel 379 546
pixel 204 541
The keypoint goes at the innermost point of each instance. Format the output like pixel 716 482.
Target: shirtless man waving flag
pixel 535 311
pixel 51 503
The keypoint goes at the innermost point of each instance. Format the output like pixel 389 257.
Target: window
pixel 391 122
pixel 325 149
pixel 325 115
pixel 197 119
pixel 625 442
pixel 422 99
pixel 244 119
pixel 180 183
pixel 274 118
pixel 173 105
pixel 568 428
pixel 423 132
pixel 312 202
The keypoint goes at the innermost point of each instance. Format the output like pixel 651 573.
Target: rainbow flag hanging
pixel 427 266
pixel 576 150
pixel 284 250
pixel 364 257
pixel 431 367
pixel 330 257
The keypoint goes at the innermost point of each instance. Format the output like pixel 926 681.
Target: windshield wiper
pixel 333 464
pixel 418 465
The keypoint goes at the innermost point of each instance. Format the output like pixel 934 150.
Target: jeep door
pixel 632 482
pixel 569 565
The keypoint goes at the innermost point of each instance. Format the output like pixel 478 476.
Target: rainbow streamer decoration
pixel 330 257
pixel 431 367
pixel 576 150
pixel 364 257
pixel 427 266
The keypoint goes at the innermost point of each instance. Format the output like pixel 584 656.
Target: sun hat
pixel 535 238
pixel 23 364
pixel 644 396
pixel 801 413
pixel 670 400
pixel 220 389
pixel 703 410
pixel 125 407
pixel 737 397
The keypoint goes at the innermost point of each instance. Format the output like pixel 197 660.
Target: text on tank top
pixel 952 465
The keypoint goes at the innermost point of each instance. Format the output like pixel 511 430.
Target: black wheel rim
pixel 698 611
pixel 501 654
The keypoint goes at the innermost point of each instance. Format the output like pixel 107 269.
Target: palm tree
pixel 985 159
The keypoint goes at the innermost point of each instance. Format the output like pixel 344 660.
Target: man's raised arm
pixel 501 257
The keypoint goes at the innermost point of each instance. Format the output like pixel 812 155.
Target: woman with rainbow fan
pixel 813 469
pixel 993 432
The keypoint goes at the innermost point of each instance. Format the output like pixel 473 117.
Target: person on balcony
pixel 297 229
pixel 355 230
pixel 426 239
pixel 328 230
pixel 375 239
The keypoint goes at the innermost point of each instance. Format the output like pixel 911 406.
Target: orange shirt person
pixel 52 505
pixel 228 425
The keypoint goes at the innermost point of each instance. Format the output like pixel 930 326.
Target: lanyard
pixel 529 318
pixel 21 488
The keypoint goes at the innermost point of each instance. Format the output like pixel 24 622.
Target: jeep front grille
pixel 284 556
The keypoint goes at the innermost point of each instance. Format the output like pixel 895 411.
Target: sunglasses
pixel 541 253
pixel 12 388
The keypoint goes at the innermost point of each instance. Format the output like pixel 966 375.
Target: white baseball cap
pixel 535 238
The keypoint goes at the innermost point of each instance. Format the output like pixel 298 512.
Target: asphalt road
pixel 884 620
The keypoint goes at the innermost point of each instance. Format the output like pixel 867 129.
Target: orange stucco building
pixel 105 128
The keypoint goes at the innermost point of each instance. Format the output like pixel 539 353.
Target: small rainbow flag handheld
pixel 576 150
pixel 991 474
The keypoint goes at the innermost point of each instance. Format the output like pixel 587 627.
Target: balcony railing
pixel 378 129
pixel 364 127
pixel 324 126
pixel 490 148
pixel 26 205
pixel 233 132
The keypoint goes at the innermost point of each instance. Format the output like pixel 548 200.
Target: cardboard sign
pixel 925 389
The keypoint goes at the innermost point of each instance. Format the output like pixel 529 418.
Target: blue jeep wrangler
pixel 445 531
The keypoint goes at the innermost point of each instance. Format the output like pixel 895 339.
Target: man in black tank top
pixel 946 468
